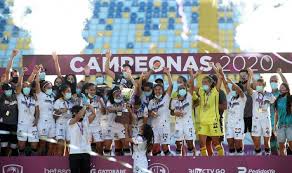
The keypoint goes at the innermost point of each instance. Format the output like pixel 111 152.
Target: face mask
pixel 259 88
pixel 180 84
pixel 14 79
pixel 147 93
pixel 68 96
pixel 78 91
pixel 182 92
pixel 205 87
pixel 8 93
pixel 49 92
pixel 42 75
pixel 90 95
pixel 70 81
pixel 26 91
pixel 57 84
pixel 274 85
pixel 233 93
pixel 118 100
pixel 230 86
pixel 158 97
pixel 99 80
pixel 125 75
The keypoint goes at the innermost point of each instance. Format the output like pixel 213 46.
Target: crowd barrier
pixel 228 164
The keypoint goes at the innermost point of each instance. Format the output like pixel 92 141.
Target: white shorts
pixel 95 133
pixel 235 130
pixel 162 134
pixel 46 129
pixel 106 132
pixel 27 133
pixel 62 132
pixel 261 127
pixel 184 132
pixel 118 131
pixel 140 164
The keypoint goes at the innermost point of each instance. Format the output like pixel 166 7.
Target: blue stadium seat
pixel 130 46
pixel 221 20
pixel 108 27
pixel 104 4
pixel 140 20
pixel 155 27
pixel 147 33
pixel 126 9
pixel 101 21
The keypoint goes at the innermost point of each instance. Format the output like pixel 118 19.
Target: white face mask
pixel 158 97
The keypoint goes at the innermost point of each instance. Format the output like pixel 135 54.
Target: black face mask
pixel 14 79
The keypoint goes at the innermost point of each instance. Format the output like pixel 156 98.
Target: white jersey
pixel 26 107
pixel 46 106
pixel 161 106
pixel 186 107
pixel 79 140
pixel 63 104
pixel 109 119
pixel 235 108
pixel 95 103
pixel 139 147
pixel 262 103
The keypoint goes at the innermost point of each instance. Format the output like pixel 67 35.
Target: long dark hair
pixel 148 135
pixel 288 104
pixel 73 85
pixel 62 88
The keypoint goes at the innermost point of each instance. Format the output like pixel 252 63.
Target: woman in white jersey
pixel 27 116
pixel 159 114
pixel 181 108
pixel 234 126
pixel 62 114
pixel 95 130
pixel 46 124
pixel 115 107
pixel 261 120
pixel 141 144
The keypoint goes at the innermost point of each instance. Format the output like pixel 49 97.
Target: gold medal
pixel 260 110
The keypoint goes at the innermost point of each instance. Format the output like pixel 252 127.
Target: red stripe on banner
pixel 178 63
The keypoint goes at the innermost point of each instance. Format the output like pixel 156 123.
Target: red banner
pixel 178 63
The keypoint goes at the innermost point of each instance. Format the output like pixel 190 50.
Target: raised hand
pixel 87 70
pixel 108 54
pixel 15 52
pixel 55 56
pixel 166 70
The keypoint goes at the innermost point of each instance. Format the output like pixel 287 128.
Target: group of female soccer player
pixel 136 113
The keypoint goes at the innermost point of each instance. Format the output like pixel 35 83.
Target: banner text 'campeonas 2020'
pixel 178 63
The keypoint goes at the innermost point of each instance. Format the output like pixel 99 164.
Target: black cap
pixel 7 87
pixel 159 80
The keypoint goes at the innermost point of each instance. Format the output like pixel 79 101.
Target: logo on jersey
pixel 12 168
pixel 158 168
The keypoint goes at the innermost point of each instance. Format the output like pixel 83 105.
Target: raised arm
pixel 224 81
pixel 78 116
pixel 217 69
pixel 283 78
pixel 87 74
pixel 92 115
pixel 57 65
pixel 170 86
pixel 20 81
pixel 237 88
pixel 37 80
pixel 10 63
pixel 250 78
pixel 107 65
pixel 191 81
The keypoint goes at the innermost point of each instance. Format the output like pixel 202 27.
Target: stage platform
pixel 244 164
